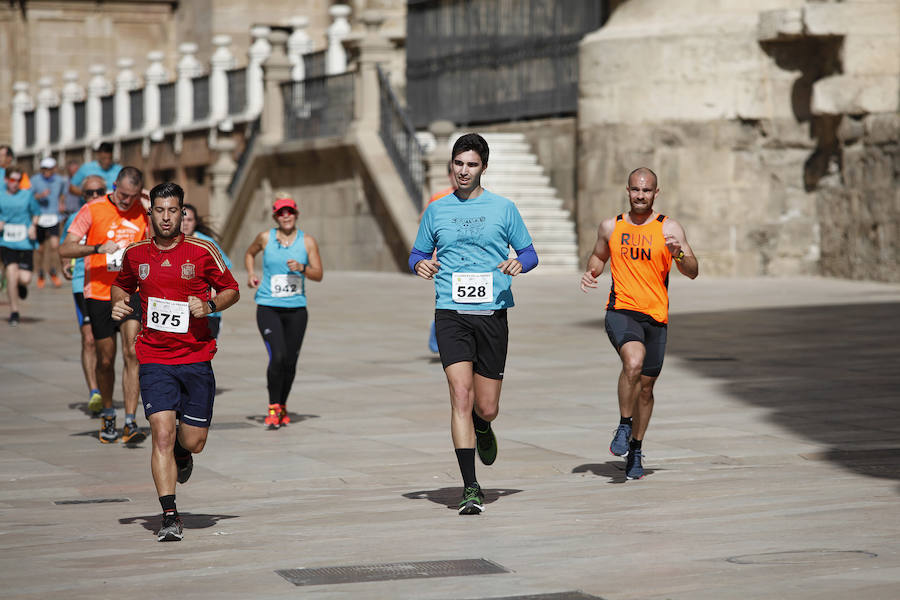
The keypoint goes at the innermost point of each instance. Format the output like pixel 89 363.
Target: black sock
pixel 180 452
pixel 168 505
pixel 625 421
pixel 635 444
pixel 480 424
pixel 466 459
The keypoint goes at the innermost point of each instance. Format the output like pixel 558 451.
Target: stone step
pixel 541 212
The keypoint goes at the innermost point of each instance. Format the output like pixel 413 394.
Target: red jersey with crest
pixel 164 279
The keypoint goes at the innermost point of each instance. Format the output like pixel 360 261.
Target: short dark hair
pixel 202 227
pixel 132 174
pixel 9 150
pixel 105 147
pixel 471 141
pixel 168 189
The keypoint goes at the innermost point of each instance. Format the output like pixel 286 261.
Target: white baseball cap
pixel 48 163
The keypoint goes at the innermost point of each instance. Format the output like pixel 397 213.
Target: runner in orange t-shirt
pixel 107 226
pixel 640 246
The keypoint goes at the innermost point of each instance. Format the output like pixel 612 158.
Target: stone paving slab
pixel 775 443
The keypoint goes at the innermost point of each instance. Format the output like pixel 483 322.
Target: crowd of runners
pixel 147 272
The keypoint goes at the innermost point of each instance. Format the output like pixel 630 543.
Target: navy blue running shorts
pixel 629 326
pixel 188 389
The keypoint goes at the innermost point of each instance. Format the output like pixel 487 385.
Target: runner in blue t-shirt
pixel 18 221
pixel 193 224
pixel 472 230
pixel 74 270
pixel 103 166
pixel 49 190
pixel 290 257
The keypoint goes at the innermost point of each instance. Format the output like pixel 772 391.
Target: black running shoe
pixel 171 530
pixel 486 444
pixel 472 502
pixel 23 291
pixel 185 467
pixel 14 319
pixel 634 469
pixel 132 434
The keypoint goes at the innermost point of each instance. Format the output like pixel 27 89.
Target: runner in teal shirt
pixel 18 220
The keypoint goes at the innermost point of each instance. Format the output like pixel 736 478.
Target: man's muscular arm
pixel 599 256
pixel 682 254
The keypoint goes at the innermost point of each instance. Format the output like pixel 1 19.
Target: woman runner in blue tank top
pixel 193 224
pixel 290 257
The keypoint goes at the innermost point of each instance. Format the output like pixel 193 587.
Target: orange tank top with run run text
pixel 639 263
pixel 108 223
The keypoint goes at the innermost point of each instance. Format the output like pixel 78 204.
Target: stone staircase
pixel 513 172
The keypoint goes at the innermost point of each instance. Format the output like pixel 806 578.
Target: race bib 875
pixel 168 315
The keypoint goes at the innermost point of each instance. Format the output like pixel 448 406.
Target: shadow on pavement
pixel 829 374
pixel 83 407
pixel 449 496
pixel 190 520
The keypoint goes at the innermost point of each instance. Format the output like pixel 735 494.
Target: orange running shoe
pixel 284 418
pixel 273 419
pixel 40 282
pixel 57 282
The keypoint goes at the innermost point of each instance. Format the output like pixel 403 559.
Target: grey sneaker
pixel 633 467
pixel 171 530
pixel 108 431
pixel 619 444
pixel 472 502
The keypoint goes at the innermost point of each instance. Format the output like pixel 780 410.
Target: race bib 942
pixel 285 286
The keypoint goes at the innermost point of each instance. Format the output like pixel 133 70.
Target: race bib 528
pixel 472 288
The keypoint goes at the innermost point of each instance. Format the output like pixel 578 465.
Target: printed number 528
pixel 471 291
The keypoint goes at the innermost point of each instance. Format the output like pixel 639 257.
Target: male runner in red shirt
pixel 172 275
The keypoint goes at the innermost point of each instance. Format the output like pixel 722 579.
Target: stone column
pixel 46 98
pixel 259 51
pixel 98 86
pixel 21 104
pixel 439 156
pixel 222 60
pixel 188 68
pixel 221 173
pixel 298 44
pixel 72 92
pixel 277 70
pixel 373 50
pixel 154 76
pixel 335 55
pixel 126 81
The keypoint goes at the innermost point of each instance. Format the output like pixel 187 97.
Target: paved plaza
pixel 773 456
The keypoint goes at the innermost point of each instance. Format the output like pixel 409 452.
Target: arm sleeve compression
pixel 528 257
pixel 415 256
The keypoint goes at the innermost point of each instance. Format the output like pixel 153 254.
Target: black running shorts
pixel 100 314
pixel 629 326
pixel 479 339
pixel 23 258
pixel 44 233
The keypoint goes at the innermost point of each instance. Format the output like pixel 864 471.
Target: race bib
pixel 168 315
pixel 472 288
pixel 285 286
pixel 48 220
pixel 114 260
pixel 13 232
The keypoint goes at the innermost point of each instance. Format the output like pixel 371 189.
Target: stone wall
pixel 737 107
pixel 337 207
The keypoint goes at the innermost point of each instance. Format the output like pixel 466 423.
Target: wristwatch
pixel 97 248
pixel 680 256
pixel 211 305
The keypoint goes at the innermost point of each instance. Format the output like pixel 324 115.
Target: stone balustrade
pixel 120 107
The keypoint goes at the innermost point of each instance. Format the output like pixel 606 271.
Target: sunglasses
pixel 14 178
pixel 95 192
pixel 285 211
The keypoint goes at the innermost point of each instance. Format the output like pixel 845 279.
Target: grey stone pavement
pixel 772 455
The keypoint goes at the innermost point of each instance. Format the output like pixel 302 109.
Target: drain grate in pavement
pixel 801 557
pixel 92 501
pixel 232 426
pixel 391 571
pixel 553 596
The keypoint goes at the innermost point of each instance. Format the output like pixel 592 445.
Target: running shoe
pixel 633 467
pixel 95 403
pixel 171 530
pixel 132 434
pixel 14 319
pixel 108 431
pixel 185 466
pixel 619 444
pixel 283 418
pixel 472 502
pixel 273 419
pixel 486 444
pixel 23 291
pixel 57 282
pixel 40 282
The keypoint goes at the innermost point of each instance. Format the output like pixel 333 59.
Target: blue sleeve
pixel 415 256
pixel 79 176
pixel 518 236
pixel 33 207
pixel 528 257
pixel 425 237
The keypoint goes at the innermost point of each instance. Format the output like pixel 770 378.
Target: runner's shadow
pixel 295 417
pixel 29 320
pixel 614 470
pixel 190 520
pixel 450 496
pixel 83 407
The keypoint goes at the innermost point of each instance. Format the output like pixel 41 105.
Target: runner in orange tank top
pixel 640 246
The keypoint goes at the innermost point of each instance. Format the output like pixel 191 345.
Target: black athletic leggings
pixel 282 330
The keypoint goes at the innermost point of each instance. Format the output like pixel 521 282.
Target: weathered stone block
pixel 779 25
pixel 843 18
pixel 872 55
pixel 882 128
pixel 851 129
pixel 848 94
